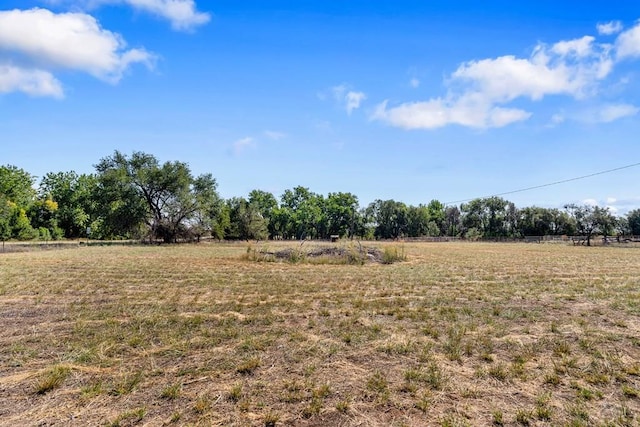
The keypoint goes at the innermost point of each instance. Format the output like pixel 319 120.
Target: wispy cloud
pixel 243 144
pixel 557 119
pixel 349 99
pixel 274 135
pixel 608 28
pixel 613 112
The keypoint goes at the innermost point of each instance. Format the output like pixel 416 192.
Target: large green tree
pixel 591 220
pixel 490 216
pixel 245 220
pixel 341 212
pixel 169 195
pixel 76 198
pixel 633 217
pixel 390 218
pixel 419 221
pixel 17 186
pixel 266 204
pixel 303 212
pixel 451 224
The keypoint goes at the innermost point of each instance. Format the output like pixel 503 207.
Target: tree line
pixel 137 197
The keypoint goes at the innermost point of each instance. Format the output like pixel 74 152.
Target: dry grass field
pixel 457 335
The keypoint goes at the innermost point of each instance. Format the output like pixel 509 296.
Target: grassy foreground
pixel 459 334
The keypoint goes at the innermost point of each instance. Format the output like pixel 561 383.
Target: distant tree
pixel 5 217
pixel 280 226
pixel 76 196
pixel 17 186
pixel 221 222
pixel 245 221
pixel 561 223
pixel 264 201
pixel 606 221
pixel 451 222
pixel 437 215
pixel 591 220
pixel 389 217
pixel 164 196
pixel 535 221
pixel 491 217
pixel 209 212
pixel 304 212
pixel 341 211
pixel 633 218
pixel 418 220
pixel 43 216
pixel 20 225
pixel 622 227
pixel 266 204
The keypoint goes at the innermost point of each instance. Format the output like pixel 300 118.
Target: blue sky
pixel 410 100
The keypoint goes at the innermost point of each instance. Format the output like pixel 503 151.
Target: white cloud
pixel 353 100
pixel 608 28
pixel 414 82
pixel 478 90
pixel 182 14
pixel 546 72
pixel 628 43
pixel 612 112
pixel 32 82
pixel 274 135
pixel 616 206
pixel 437 113
pixel 242 144
pixel 349 99
pixel 581 47
pixel 68 40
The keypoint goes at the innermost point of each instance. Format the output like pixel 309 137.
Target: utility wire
pixel 549 184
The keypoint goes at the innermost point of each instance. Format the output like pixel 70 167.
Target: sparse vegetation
pixel 195 335
pixel 52 379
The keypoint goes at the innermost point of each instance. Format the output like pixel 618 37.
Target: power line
pixel 549 184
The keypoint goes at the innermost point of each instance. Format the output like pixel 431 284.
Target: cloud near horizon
pixel 36 42
pixel 479 92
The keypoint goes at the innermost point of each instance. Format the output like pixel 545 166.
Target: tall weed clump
pixel 392 254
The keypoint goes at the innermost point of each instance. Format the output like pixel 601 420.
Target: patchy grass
pixel 458 334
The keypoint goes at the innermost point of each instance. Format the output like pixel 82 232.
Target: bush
pixel 44 234
pixel 473 234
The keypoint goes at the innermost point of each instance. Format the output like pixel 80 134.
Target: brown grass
pixel 459 334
